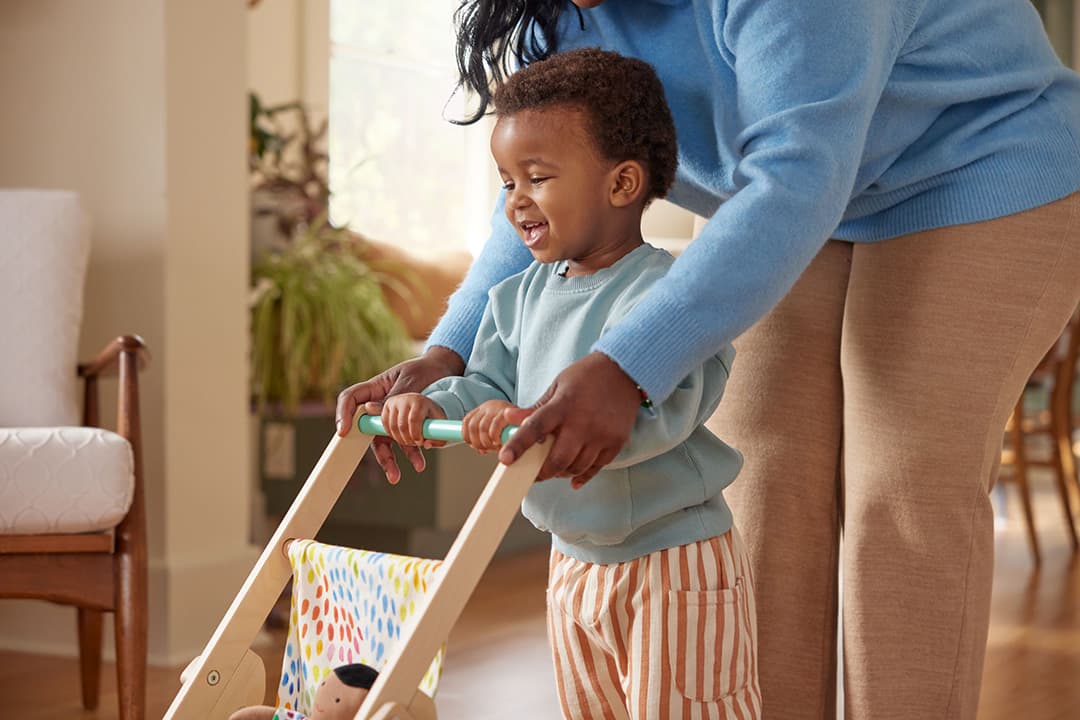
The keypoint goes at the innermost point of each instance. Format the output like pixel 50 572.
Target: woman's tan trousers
pixel 871 402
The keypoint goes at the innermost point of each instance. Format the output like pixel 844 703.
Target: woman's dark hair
pixel 492 32
pixel 357 675
pixel 622 101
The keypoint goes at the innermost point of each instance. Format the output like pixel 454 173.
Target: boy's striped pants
pixel 667 635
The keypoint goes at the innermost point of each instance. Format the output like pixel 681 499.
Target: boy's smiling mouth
pixel 534 232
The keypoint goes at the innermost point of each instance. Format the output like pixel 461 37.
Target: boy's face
pixel 558 188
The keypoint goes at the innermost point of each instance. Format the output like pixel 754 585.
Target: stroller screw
pixel 213 677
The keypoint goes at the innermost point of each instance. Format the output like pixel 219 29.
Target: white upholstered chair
pixel 72 521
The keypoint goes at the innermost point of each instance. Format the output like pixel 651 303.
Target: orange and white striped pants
pixel 668 635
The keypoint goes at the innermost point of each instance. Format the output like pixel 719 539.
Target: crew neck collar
pixel 578 283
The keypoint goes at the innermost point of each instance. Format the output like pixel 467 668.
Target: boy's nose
pixel 518 198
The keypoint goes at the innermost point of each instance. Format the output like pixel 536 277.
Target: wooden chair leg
pixel 1064 461
pixel 131 632
pixel 90 622
pixel 1016 432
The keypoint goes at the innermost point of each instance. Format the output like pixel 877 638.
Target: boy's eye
pixel 508 186
pixel 537 180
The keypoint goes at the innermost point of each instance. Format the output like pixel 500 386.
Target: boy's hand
pixel 409 376
pixel 403 417
pixel 482 427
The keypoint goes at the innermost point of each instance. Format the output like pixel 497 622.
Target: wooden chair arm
pixel 106 363
pixel 125 357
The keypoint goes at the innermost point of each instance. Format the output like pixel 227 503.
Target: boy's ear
pixel 628 183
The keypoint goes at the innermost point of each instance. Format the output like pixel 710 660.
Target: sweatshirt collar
pixel 579 283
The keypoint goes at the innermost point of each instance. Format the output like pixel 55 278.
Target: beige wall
pixel 139 105
pixel 288 52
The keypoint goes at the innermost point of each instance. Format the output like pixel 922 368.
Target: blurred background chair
pixel 1044 437
pixel 72 520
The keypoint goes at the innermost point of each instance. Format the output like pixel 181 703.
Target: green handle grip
pixel 446 430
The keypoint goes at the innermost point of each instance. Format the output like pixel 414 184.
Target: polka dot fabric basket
pixel 348 606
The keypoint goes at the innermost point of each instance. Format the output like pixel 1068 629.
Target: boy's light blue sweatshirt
pixel 808 119
pixel 663 489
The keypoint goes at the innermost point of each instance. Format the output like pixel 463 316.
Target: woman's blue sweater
pixel 804 120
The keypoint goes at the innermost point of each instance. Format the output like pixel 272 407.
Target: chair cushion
pixel 63 480
pixel 44 247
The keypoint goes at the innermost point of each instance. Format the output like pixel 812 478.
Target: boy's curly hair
pixel 621 97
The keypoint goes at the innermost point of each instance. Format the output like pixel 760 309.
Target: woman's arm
pixel 664 426
pixel 809 75
pixel 503 255
pixel 490 375
pixel 808 78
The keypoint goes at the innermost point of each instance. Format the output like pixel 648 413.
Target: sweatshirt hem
pixel 701 522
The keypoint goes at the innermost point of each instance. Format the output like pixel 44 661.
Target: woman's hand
pixel 409 376
pixel 590 410
pixel 482 427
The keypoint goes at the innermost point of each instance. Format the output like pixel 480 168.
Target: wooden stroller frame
pixel 227 675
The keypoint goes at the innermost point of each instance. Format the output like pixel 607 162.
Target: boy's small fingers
pixel 416 424
pixel 516 415
pixel 493 428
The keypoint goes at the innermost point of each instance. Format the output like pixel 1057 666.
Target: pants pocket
pixel 710 641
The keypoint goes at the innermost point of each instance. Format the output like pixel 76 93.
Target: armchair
pixel 72 517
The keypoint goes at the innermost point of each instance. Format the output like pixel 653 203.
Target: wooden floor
pixel 498 660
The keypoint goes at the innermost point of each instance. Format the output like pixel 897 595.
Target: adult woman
pixel 935 143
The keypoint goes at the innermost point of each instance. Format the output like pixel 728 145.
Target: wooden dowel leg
pixel 90 622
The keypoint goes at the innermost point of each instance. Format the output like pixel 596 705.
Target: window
pixel 399 171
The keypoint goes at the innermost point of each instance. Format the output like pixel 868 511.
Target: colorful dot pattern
pixel 282 714
pixel 348 606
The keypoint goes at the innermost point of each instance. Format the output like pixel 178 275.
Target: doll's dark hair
pixel 621 98
pixel 357 675
pixel 491 33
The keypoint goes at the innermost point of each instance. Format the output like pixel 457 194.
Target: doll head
pixel 342 692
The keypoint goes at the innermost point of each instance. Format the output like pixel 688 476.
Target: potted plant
pixel 320 321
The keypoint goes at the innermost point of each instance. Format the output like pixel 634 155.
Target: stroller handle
pixel 445 430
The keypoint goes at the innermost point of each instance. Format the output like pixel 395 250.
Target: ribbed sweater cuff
pixel 457 329
pixel 655 357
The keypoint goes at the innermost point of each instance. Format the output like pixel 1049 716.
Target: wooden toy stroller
pixel 228 675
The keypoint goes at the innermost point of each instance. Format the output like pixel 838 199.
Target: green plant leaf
pixel 319 320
